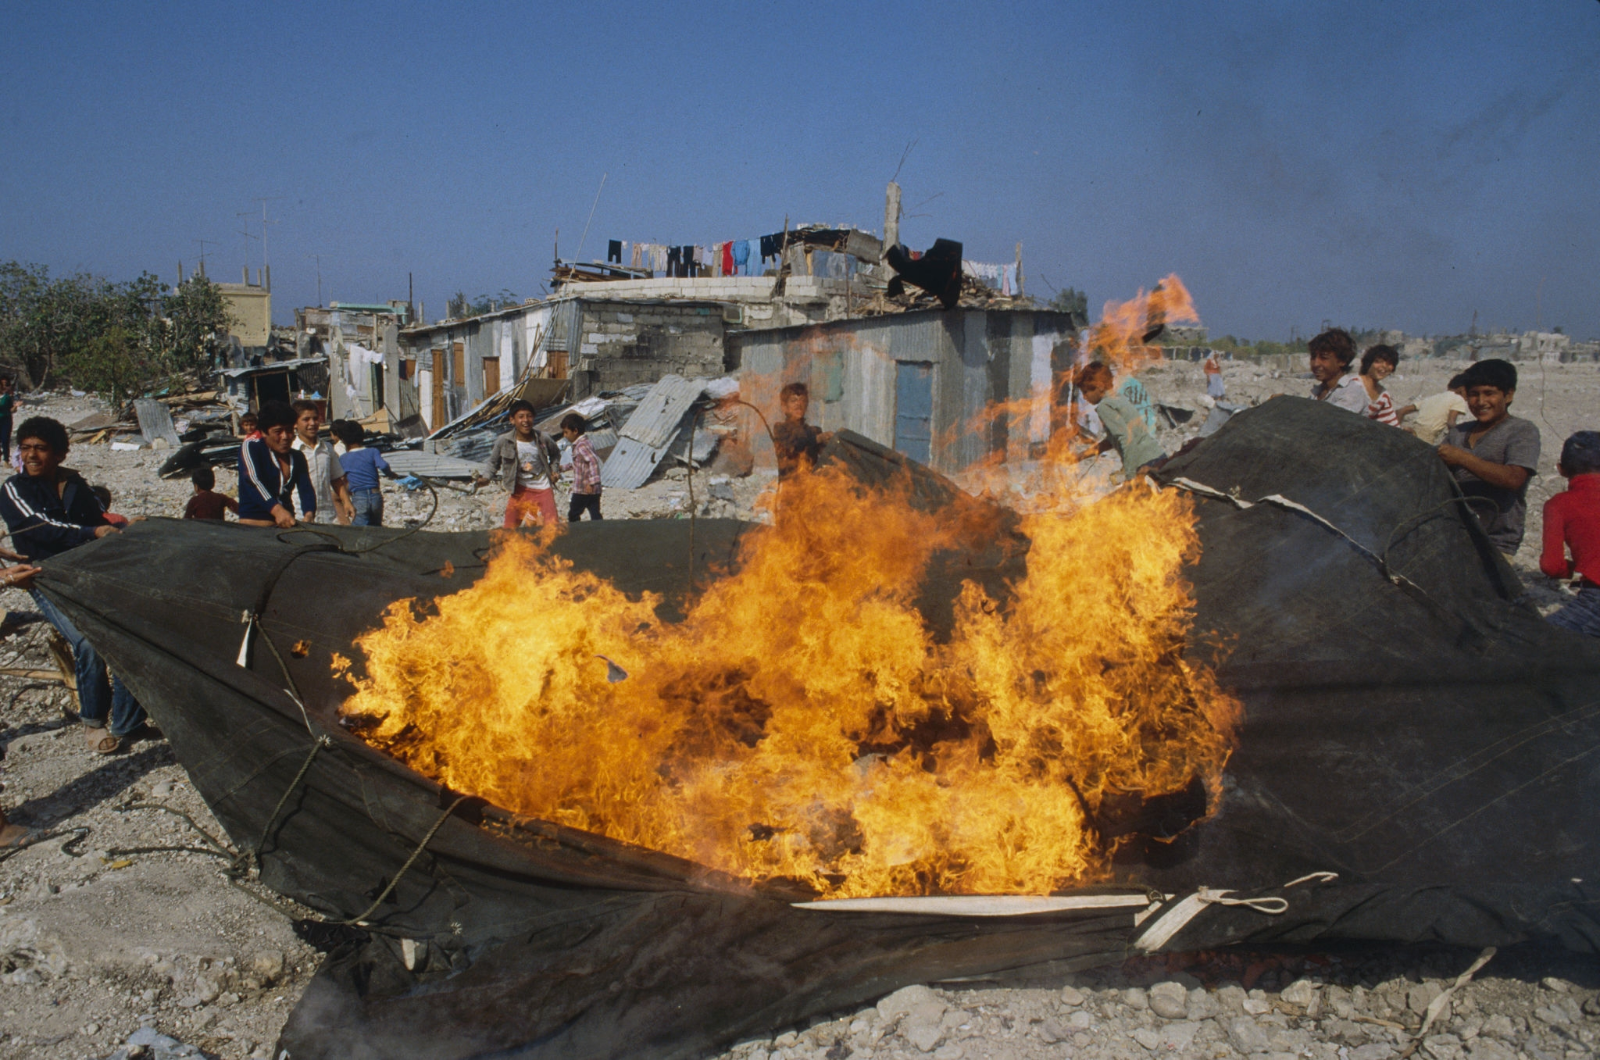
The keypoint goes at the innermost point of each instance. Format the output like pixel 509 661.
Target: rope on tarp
pixel 356 921
pixel 1174 919
pixel 1277 500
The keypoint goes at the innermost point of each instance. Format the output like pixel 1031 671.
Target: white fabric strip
pixel 979 904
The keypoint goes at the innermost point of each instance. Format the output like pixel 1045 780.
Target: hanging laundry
pixel 726 257
pixel 637 248
pixel 672 260
pixel 769 248
pixel 614 251
pixel 741 256
pixel 658 258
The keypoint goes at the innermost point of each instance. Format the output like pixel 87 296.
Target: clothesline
pixel 735 257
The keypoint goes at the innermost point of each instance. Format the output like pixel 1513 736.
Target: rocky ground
pixel 125 936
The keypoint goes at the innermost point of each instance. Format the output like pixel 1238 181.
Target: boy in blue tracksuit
pixel 50 509
pixel 272 471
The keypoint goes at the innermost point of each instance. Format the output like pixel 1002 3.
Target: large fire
pixel 803 720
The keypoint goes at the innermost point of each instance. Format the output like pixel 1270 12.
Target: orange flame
pixel 803 721
pixel 1119 338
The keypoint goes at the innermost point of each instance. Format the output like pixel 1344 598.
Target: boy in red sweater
pixel 1572 522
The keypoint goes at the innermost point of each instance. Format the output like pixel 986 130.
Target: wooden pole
pixel 891 217
pixel 1019 268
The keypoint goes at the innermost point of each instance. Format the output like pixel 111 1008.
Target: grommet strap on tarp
pixel 1173 920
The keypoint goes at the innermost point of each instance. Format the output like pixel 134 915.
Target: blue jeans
pixel 97 697
pixel 369 507
pixel 1582 615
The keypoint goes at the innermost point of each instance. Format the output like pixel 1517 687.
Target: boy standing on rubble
pixel 1494 454
pixel 525 463
pixel 1572 523
pixel 272 471
pixel 1126 430
pixel 50 509
pixel 585 469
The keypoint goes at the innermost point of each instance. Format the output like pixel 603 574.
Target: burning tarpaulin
pixel 1411 760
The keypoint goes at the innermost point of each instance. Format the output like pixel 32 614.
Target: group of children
pixel 1491 454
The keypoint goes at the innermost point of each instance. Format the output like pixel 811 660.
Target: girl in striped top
pixel 1377 364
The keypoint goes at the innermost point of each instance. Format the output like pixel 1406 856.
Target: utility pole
pixel 891 217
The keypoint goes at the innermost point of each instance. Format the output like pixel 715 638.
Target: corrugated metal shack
pixel 919 382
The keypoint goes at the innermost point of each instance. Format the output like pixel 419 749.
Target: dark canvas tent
pixel 1414 733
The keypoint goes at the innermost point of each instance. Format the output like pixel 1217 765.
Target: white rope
pixel 244 645
pixel 1280 501
pixel 1173 920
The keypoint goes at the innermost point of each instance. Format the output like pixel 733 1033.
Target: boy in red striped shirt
pixel 585 469
pixel 1572 522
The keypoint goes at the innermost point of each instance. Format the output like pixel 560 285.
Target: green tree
pixel 1075 302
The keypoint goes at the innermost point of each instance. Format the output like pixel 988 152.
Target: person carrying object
pixel 526 463
pixel 1331 354
pixel 1572 524
pixel 585 469
pixel 50 509
pixel 1126 430
pixel 272 472
pixel 1436 413
pixel 1494 454
pixel 362 466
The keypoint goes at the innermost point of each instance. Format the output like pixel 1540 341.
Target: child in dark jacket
pixel 272 471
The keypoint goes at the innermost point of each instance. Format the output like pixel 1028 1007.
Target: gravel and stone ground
pixel 106 948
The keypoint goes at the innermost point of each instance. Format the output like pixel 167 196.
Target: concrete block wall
pixel 621 344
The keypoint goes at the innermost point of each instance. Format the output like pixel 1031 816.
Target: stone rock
pixel 1177 1036
pixel 1231 998
pixel 1202 1005
pixel 1560 986
pixel 1419 997
pixel 1071 996
pixel 1300 992
pixel 1051 1032
pixel 1285 1040
pixel 904 1000
pixel 1372 1051
pixel 1592 1005
pixel 921 1033
pixel 1147 1037
pixel 952 1051
pixel 1136 999
pixel 268 965
pixel 1248 1038
pixel 1499 1026
pixel 1080 1020
pixel 1256 1007
pixel 1442 1046
pixel 1489 1049
pixel 1169 1000
pixel 1554 1015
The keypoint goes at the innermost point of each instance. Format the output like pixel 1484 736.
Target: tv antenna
pixel 245 232
pixel 264 222
pixel 203 244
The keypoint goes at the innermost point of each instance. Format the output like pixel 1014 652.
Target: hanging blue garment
pixel 741 256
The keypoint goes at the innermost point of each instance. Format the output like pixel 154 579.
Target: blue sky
pixel 1375 164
